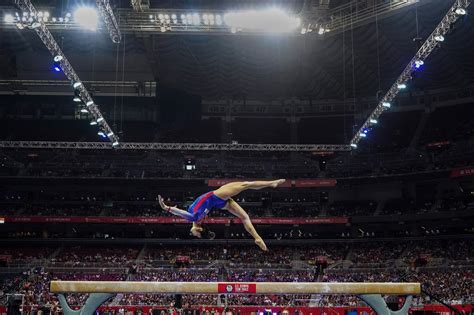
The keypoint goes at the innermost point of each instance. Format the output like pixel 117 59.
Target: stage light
pixel 160 16
pixel 102 134
pixel 321 30
pixel 167 17
pixel 419 63
pixel 439 38
pixel 386 104
pixel 362 135
pixel 89 103
pixel 303 30
pixel 373 121
pixel 115 144
pixel 77 99
pixel 233 30
pixel 57 67
pixel 100 119
pixel 93 123
pixel 110 134
pixel 58 58
pixel 460 11
pixel 61 20
pixel 83 110
pixel 54 19
pixel 8 18
pixel 218 19
pixel 173 16
pixel 77 84
pixel 196 19
pixel 68 15
pixel 366 131
pixel 35 25
pixel 354 145
pixel 163 29
pixel 268 20
pixel 401 86
pixel 87 17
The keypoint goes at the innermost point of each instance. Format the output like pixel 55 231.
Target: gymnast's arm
pixel 176 211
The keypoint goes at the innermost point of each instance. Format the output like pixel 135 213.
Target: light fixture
pixel 461 11
pixel 83 110
pixel 196 19
pixel 100 119
pixel 77 99
pixel 401 86
pixel 115 144
pixel 58 58
pixel 419 63
pixel 354 145
pixel 321 30
pixel 76 84
pixel 303 30
pixel 110 134
pixel 268 20
pixel 8 18
pixel 35 25
pixel 89 103
pixel 93 123
pixel 439 38
pixel 101 133
pixel 87 17
pixel 386 104
pixel 218 19
pixel 373 121
pixel 53 20
pixel 362 135
pixel 173 16
pixel 56 67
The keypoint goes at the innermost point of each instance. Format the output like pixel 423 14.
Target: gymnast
pixel 221 199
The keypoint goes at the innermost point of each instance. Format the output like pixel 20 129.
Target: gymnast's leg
pixel 231 189
pixel 237 210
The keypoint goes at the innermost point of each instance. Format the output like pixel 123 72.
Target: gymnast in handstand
pixel 222 199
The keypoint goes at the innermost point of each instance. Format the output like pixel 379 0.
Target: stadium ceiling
pixel 432 42
pixel 316 17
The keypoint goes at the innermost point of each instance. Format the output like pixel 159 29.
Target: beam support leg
pixel 378 304
pixel 92 304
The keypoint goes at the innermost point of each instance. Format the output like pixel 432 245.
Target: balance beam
pixel 327 288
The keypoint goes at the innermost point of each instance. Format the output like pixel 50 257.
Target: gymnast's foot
pixel 277 182
pixel 260 243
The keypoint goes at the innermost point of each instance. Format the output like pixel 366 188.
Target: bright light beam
pixel 272 20
pixel 87 17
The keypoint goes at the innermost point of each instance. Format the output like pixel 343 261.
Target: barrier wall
pixel 256 310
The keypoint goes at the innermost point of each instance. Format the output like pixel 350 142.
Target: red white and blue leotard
pixel 204 204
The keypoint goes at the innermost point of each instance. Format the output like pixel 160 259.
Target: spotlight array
pixel 432 42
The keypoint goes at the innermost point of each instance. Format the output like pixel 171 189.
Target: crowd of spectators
pixel 449 281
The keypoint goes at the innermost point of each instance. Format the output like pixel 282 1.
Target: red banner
pixel 299 183
pixel 237 288
pixel 438 144
pixel 461 172
pixel 320 182
pixel 170 220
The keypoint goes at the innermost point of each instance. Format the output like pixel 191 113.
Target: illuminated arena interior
pixel 365 107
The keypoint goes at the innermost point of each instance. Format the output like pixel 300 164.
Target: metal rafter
pixel 425 50
pixel 176 146
pixel 108 16
pixel 53 47
pixel 137 20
